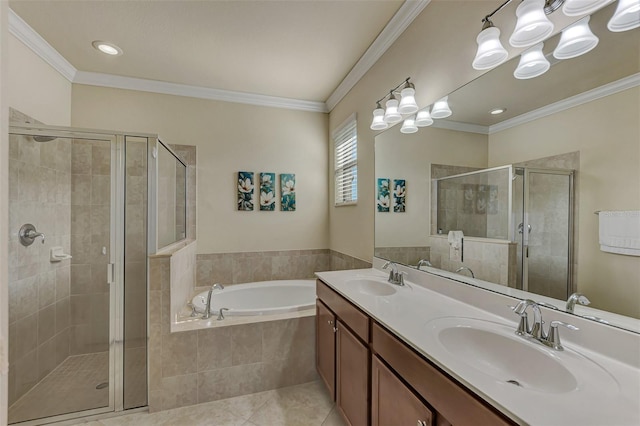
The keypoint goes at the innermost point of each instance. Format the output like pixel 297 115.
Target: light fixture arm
pixel 395 91
pixel 549 7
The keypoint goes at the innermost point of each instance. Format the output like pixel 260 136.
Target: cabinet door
pixel 352 377
pixel 393 403
pixel 326 347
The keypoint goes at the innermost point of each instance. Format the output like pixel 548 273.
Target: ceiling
pixel 288 49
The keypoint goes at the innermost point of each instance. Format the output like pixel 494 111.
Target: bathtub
pixel 260 298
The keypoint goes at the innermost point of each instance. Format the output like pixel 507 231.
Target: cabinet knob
pixel 330 322
pixel 335 329
pixel 422 423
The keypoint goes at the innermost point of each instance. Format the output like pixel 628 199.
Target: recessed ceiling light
pixel 108 48
pixel 497 111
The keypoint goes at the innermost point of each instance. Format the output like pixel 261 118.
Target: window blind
pixel 346 163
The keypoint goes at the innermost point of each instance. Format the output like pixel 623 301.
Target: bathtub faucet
pixel 207 308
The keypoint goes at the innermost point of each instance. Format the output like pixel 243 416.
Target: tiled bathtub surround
pixel 236 268
pixel 195 366
pixel 404 255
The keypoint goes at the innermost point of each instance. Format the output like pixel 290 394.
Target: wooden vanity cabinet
pixel 392 402
pixel 343 356
pixel 326 347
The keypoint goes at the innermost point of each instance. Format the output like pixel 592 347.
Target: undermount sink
pixel 373 287
pixel 493 349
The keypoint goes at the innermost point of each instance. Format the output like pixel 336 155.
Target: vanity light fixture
pixel 583 7
pixel 532 63
pixel 394 112
pixel 577 39
pixel 392 115
pixel 107 48
pixel 409 125
pixel 532 25
pixel 441 108
pixel 626 17
pixel 423 118
pixel 491 52
pixel 378 118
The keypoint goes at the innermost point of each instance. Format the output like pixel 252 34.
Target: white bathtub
pixel 260 298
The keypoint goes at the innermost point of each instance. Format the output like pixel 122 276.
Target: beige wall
pixel 37 89
pixel 230 137
pixel 409 157
pixel 607 134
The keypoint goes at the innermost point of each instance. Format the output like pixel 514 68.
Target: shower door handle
pixel 111 273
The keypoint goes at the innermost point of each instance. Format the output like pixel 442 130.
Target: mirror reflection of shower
pixel 530 207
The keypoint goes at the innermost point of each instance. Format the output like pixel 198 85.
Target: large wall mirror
pixel 526 186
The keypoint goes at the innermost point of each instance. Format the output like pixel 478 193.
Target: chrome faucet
pixel 207 308
pixel 576 298
pixel 395 277
pixel 536 331
pixel 462 268
pixel 423 262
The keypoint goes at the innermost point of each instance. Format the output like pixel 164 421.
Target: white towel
pixel 620 232
pixel 455 239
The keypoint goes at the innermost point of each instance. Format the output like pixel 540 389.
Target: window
pixel 345 139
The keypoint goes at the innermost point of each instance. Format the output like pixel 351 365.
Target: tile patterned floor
pixel 302 405
pixel 68 388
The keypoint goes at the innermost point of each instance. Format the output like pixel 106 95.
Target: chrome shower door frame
pixel 116 257
pixel 570 223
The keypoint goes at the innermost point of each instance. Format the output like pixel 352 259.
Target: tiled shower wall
pixel 39 193
pixel 187 154
pixel 90 245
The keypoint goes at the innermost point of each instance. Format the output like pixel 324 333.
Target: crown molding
pixel 460 126
pixel 591 95
pixel 154 86
pixel 27 35
pixel 409 10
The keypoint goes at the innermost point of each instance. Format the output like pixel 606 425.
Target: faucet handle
pixel 194 311
pixel 401 276
pixel 553 339
pixel 221 314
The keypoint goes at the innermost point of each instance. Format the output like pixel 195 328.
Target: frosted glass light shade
pixel 490 52
pixel 626 16
pixel 532 63
pixel 583 7
pixel 378 122
pixel 408 103
pixel 423 118
pixel 391 115
pixel 409 126
pixel 577 39
pixel 441 108
pixel 532 26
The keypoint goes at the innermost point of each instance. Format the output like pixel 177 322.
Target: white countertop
pixel 611 396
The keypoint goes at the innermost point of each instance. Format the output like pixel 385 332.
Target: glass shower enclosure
pixel 532 207
pixel 77 271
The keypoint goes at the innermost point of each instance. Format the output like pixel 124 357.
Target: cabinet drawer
pixel 445 395
pixel 351 316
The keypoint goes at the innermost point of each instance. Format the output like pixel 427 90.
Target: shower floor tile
pixel 68 388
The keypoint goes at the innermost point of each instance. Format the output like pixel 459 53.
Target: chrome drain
pixel 514 382
pixel 102 385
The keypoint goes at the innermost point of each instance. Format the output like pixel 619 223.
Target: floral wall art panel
pixel 245 191
pixel 399 195
pixel 383 195
pixel 288 192
pixel 267 191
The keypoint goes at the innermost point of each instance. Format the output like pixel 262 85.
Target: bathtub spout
pixel 207 309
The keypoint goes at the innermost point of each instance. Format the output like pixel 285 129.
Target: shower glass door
pixel 62 286
pixel 547 232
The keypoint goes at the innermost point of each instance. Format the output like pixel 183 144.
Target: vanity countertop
pixel 609 394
